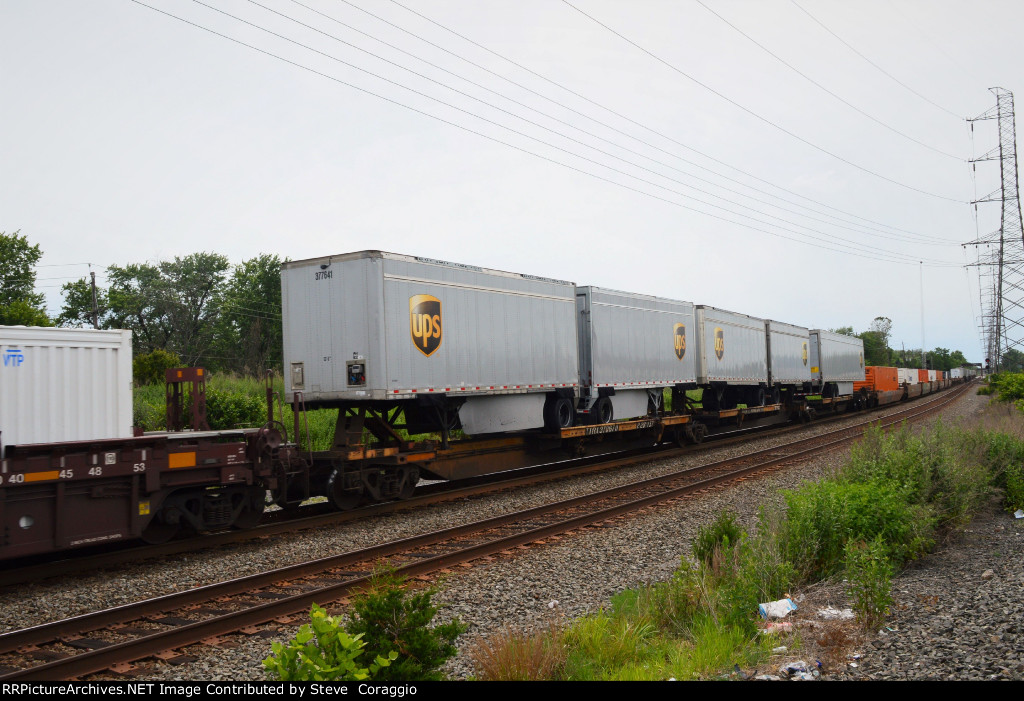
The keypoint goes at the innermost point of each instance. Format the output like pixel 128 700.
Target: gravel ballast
pixel 581 572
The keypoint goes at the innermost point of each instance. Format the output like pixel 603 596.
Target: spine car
pixel 532 370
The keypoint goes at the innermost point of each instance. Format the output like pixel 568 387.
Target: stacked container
pixel 908 376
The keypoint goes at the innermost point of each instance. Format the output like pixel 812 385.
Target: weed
pixel 868 578
pixel 514 655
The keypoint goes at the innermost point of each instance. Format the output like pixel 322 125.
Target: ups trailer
pixel 789 366
pixel 631 347
pixel 732 358
pixel 837 361
pixel 449 345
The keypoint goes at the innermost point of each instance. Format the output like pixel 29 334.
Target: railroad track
pixel 76 562
pixel 113 638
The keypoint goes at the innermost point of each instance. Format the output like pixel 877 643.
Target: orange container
pixel 922 375
pixel 879 379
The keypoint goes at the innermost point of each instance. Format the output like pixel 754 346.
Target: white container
pixel 632 344
pixel 956 374
pixel 381 326
pixel 789 353
pixel 64 385
pixel 933 375
pixel 836 358
pixel 731 348
pixel 908 376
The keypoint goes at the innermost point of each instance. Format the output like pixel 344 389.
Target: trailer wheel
pixel 558 413
pixel 756 397
pixel 601 412
pixel 776 395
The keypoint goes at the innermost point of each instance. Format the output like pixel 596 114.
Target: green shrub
pixel 824 516
pixel 149 368
pixel 868 580
pixel 720 535
pixel 226 409
pixel 394 621
pixel 323 651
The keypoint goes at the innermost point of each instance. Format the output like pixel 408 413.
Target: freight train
pixel 529 370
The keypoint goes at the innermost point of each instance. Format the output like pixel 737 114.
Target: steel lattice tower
pixel 1002 306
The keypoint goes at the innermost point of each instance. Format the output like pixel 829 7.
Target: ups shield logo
pixel 804 353
pixel 425 323
pixel 719 342
pixel 680 336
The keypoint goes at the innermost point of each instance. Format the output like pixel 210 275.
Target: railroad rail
pixel 161 625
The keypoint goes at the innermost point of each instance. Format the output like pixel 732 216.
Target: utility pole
pixel 95 307
pixel 1003 307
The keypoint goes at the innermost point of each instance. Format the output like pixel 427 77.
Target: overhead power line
pixel 873 64
pixel 815 83
pixel 863 229
pixel 604 108
pixel 759 117
pixel 541 126
pixel 875 254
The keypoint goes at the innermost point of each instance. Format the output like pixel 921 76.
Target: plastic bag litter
pixel 776 609
pixel 1019 513
pixel 831 613
pixel 780 627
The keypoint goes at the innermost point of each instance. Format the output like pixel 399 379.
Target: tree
pixel 1012 361
pixel 171 306
pixel 844 330
pixel 19 303
pixel 249 331
pixel 77 308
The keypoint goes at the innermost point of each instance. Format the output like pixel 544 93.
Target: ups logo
pixel 680 336
pixel 425 323
pixel 719 342
pixel 803 354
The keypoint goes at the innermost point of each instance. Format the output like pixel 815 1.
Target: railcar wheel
pixel 158 531
pixel 344 497
pixel 408 488
pixel 252 512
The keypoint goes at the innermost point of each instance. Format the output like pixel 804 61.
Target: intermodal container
pixel 61 384
pixel 788 353
pixel 922 376
pixel 879 379
pixel 372 325
pixel 731 348
pixel 633 342
pixel 836 357
pixel 908 376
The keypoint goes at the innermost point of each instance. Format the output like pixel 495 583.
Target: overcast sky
pixel 648 147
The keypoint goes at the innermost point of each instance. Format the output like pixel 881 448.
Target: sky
pixel 800 160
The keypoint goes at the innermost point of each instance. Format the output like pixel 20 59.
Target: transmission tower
pixel 1002 306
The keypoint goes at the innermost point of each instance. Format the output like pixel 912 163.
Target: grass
pixel 897 496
